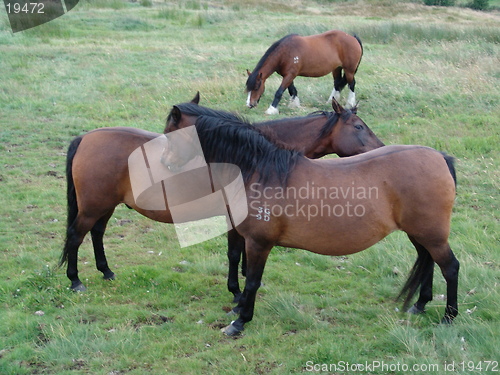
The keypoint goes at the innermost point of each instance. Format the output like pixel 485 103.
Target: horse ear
pixel 249 72
pixel 354 109
pixel 337 107
pixel 176 114
pixel 196 99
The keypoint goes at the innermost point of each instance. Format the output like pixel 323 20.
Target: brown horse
pixel 336 206
pixel 98 176
pixel 339 132
pixel 307 56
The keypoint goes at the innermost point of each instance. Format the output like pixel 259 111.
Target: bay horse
pixel 336 206
pixel 307 56
pixel 98 177
pixel 339 132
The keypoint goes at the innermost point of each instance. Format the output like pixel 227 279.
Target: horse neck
pixel 270 65
pixel 300 134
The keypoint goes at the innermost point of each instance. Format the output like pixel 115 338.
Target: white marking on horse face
pixel 248 99
pixel 296 60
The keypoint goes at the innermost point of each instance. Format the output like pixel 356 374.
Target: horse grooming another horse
pixel 307 56
pixel 408 188
pixel 98 175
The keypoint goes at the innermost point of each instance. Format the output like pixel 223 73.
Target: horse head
pixel 350 135
pixel 255 88
pixel 176 120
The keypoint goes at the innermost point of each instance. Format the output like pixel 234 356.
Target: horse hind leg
pixel 294 99
pixel 449 265
pixel 74 237
pixel 339 82
pixel 351 98
pixel 449 268
pixel 97 233
pixel 426 265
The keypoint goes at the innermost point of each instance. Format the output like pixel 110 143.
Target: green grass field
pixel 429 76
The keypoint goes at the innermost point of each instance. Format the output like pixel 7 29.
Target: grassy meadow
pixel 429 76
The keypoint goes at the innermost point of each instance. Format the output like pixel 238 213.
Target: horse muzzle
pixel 251 103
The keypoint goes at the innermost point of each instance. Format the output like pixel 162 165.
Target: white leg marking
pixel 272 111
pixel 335 94
pixel 351 99
pixel 294 102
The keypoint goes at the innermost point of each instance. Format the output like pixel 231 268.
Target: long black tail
pixel 423 265
pixel 71 195
pixel 361 45
pixel 450 162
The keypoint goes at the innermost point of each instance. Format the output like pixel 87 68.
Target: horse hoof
pixel 272 111
pixel 231 330
pixel 447 320
pixel 414 310
pixel 294 103
pixel 109 277
pixel 79 288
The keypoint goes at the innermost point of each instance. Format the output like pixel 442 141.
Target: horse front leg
pixel 273 108
pixel 285 83
pixel 256 260
pixel 235 248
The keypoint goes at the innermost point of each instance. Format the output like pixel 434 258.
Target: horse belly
pixel 319 58
pixel 348 233
pixel 319 65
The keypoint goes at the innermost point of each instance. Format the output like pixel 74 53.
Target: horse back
pixel 414 183
pixel 100 167
pixel 342 206
pixel 329 50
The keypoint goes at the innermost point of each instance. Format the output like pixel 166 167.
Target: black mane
pixel 252 78
pixel 333 118
pixel 193 109
pixel 244 145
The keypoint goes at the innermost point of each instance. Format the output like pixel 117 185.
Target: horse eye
pixel 358 126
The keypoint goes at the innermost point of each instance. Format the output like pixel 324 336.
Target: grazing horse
pixel 307 56
pixel 339 132
pixel 335 206
pixel 98 176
